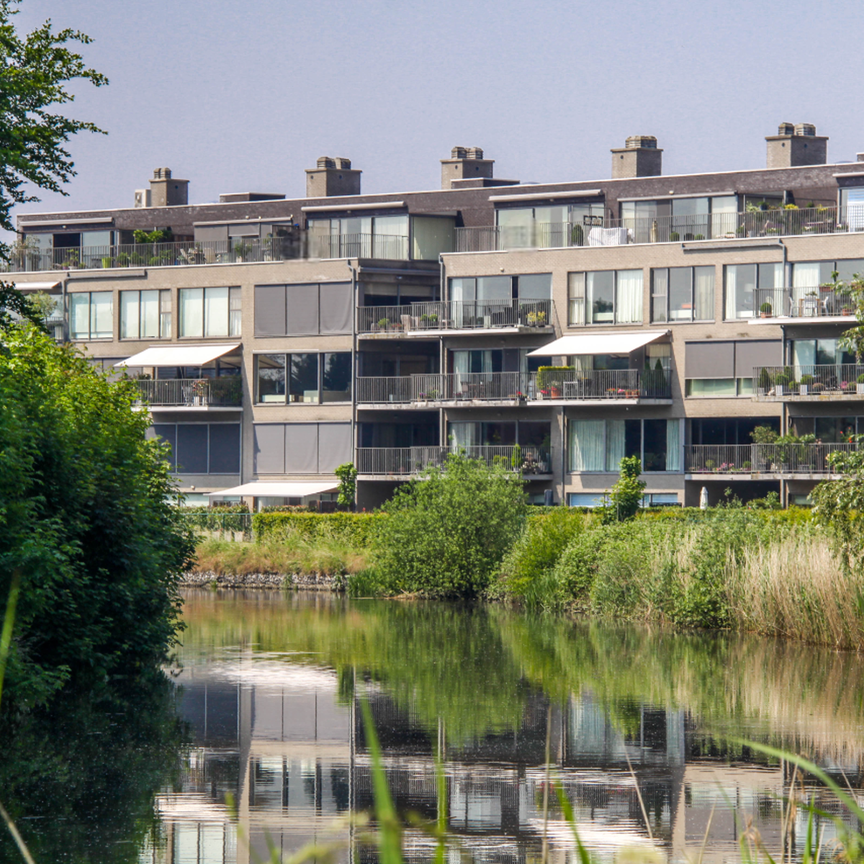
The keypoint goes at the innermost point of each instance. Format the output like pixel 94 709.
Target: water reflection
pixel 271 684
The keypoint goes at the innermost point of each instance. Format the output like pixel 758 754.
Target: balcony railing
pixel 565 384
pixel 790 381
pixel 405 461
pixel 795 303
pixel 185 253
pixel 762 458
pixel 454 315
pixel 192 392
pixel 601 231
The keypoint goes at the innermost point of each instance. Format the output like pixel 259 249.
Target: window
pixel 360 237
pixel 605 297
pixel 301 448
pixel 201 448
pixel 91 315
pixel 210 312
pixel 820 352
pixel 677 219
pixel 809 298
pixel 304 377
pixel 145 314
pixel 682 294
pixel 750 286
pixel 547 227
pixel 306 309
pixel 600 445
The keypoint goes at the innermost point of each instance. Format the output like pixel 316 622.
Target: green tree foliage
pixel 34 72
pixel 347 475
pixel 625 498
pixel 448 531
pixel 85 520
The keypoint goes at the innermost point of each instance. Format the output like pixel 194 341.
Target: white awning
pixel 178 355
pixel 275 490
pixel 598 343
pixel 36 286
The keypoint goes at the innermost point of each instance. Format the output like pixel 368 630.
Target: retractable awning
pixel 598 343
pixel 36 286
pixel 178 355
pixel 275 490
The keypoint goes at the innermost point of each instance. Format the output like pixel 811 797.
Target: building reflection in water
pixel 287 742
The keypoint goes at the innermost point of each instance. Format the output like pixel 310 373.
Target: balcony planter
pixel 766 310
pixel 859 388
pixel 555 392
pixel 778 389
pixel 802 389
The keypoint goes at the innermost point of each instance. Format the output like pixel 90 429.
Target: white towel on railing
pixel 607 237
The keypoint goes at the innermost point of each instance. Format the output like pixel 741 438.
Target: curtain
pixel 129 322
pixel 673 445
pixel 805 278
pixel 629 297
pixel 463 435
pixel 216 312
pixel 703 292
pixel 615 444
pixel 731 292
pixel 586 445
pixel 149 314
pixel 79 316
pixel 191 311
pixel 102 315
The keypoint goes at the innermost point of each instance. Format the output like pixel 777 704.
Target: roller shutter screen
pixel 709 360
pixel 191 448
pixel 750 354
pixel 269 456
pixel 337 307
pixel 270 310
pixel 334 446
pixel 302 307
pixel 168 433
pixel 224 448
pixel 211 233
pixel 301 448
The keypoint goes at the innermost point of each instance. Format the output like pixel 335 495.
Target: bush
pixel 87 524
pixel 353 528
pixel 446 532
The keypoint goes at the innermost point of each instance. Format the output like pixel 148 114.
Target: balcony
pixel 195 253
pixel 602 231
pixel 454 316
pixel 399 462
pixel 199 393
pixel 801 304
pixel 842 382
pixel 463 389
pixel 762 461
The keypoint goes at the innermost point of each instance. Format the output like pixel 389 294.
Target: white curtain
pixel 805 279
pixel 731 292
pixel 149 314
pixel 216 312
pixel 615 449
pixel 129 321
pixel 191 311
pixel 102 315
pixel 673 445
pixel 463 435
pixel 703 278
pixel 629 297
pixel 586 445
pixel 79 316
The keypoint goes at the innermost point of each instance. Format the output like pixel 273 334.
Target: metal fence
pixel 454 315
pixel 192 392
pixel 405 461
pixel 579 384
pixel 791 458
pixel 232 525
pixel 600 231
pixel 815 380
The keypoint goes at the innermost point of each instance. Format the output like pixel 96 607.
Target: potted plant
pixel 383 323
pixel 674 236
pixel 536 319
pixel 805 383
pixel 766 310
pixel 710 464
pixel 241 251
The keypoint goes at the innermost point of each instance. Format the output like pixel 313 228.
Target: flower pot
pixel 778 389
pixel 859 388
pixel 555 392
pixel 802 389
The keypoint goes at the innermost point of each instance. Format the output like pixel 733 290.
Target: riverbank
pixel 306 581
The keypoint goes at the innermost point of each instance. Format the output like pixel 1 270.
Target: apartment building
pixel 557 327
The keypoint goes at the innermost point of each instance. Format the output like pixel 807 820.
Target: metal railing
pixel 602 231
pixel 188 252
pixel 789 458
pixel 795 303
pixel 192 392
pixel 792 381
pixel 384 390
pixel 592 384
pixel 405 461
pixel 454 315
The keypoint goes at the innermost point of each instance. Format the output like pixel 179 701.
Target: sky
pixel 243 96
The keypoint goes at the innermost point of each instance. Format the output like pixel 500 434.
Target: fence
pixel 454 315
pixel 219 523
pixel 405 461
pixel 192 392
pixel 813 380
pixel 789 458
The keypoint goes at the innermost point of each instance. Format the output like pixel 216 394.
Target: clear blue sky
pixel 243 96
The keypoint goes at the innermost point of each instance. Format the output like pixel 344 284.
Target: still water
pixel 268 689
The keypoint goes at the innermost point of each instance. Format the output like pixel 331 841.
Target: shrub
pixel 446 532
pixel 354 528
pixel 625 497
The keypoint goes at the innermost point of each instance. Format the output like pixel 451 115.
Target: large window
pixel 547 227
pixel 600 445
pixel 304 309
pixel 605 297
pixel 304 377
pixel 749 286
pixel 682 294
pixel 91 315
pixel 677 219
pixel 812 284
pixel 210 312
pixel 360 237
pixel 145 314
pixel 201 448
pixel 820 352
pixel 301 448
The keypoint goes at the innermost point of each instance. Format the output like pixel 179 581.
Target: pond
pixel 644 729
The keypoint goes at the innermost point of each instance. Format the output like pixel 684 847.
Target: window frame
pixel 573 288
pixel 656 271
pixel 165 303
pixel 286 367
pixel 73 296
pixel 641 421
pixel 235 305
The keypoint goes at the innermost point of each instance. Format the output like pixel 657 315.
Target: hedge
pixel 353 528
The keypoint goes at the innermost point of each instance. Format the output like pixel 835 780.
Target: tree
pixel 853 338
pixel 625 498
pixel 347 475
pixel 34 72
pixel 85 524
pixel 447 532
